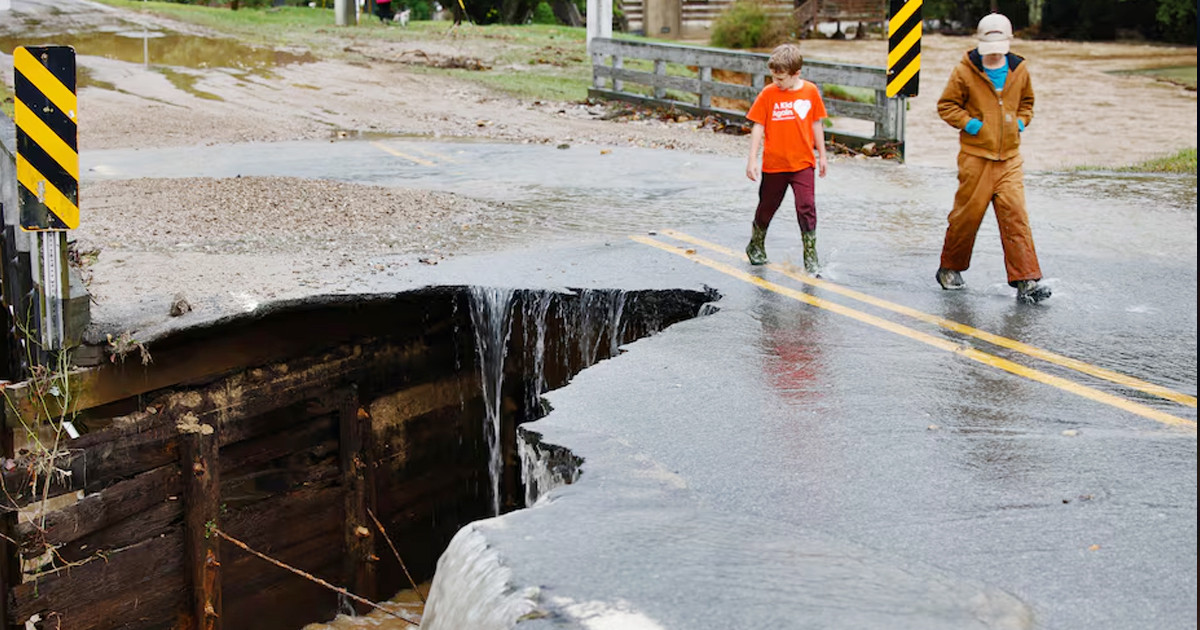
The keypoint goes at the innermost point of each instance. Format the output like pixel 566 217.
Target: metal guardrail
pixel 610 76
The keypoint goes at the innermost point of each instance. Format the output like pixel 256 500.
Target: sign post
pixel 47 166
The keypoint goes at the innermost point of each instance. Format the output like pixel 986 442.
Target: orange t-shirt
pixel 787 118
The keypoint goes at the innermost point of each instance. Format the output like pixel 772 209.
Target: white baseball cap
pixel 994 33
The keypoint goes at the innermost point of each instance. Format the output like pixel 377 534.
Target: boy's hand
pixel 973 126
pixel 752 171
pixel 822 164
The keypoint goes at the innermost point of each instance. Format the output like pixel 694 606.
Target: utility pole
pixel 345 12
pixel 599 20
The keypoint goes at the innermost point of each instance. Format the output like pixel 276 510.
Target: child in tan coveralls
pixel 990 99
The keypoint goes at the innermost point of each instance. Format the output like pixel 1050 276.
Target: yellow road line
pixel 1004 342
pixel 937 342
pixel 434 154
pixel 411 158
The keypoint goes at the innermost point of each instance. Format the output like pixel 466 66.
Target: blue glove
pixel 1020 125
pixel 973 126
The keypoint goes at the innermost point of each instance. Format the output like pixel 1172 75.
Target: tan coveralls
pixel 989 164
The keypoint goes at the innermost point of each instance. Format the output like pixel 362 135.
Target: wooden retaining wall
pixel 332 411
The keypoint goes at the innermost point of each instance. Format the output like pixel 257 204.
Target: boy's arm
pixel 1025 107
pixel 756 139
pixel 952 104
pixel 819 143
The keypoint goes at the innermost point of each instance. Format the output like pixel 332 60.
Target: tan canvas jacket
pixel 970 94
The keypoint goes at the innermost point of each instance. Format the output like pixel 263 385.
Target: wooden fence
pixel 711 95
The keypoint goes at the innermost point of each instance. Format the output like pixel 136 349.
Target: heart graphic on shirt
pixel 801 107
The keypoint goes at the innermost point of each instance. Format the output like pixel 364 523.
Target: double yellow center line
pixel 430 158
pixel 937 342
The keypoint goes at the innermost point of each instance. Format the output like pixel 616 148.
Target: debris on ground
pixel 422 58
pixel 416 57
pixel 179 305
pixel 884 150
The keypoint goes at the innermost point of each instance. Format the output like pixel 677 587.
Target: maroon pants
pixel 771 191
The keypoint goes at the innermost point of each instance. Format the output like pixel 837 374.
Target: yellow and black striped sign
pixel 904 47
pixel 47 150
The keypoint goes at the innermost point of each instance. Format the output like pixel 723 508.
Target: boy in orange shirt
pixel 787 126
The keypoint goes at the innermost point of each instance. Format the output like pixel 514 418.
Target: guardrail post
pixel 883 124
pixel 894 118
pixel 597 63
pixel 706 86
pixel 660 69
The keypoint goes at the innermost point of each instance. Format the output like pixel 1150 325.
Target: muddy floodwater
pixel 408 603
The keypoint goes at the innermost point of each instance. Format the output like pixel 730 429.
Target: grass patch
pixel 531 85
pixel 848 93
pixel 268 26
pixel 1179 75
pixel 1180 163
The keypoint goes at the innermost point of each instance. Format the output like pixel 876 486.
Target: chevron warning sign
pixel 904 47
pixel 47 152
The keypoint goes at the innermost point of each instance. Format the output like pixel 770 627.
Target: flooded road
pixel 1115 248
pixel 866 451
pixel 835 450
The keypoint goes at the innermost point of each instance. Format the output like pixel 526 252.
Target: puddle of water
pixel 187 83
pixel 167 49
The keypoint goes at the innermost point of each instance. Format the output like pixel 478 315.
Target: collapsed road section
pixel 290 429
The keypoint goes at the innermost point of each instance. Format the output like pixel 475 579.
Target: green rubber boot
pixel 810 252
pixel 756 251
